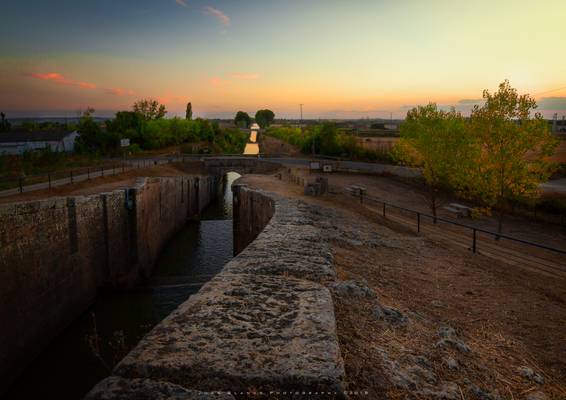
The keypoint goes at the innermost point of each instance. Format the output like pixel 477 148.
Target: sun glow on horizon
pixel 342 60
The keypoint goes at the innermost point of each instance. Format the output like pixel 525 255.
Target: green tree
pixel 4 123
pixel 150 109
pixel 242 119
pixel 438 143
pixel 189 112
pixel 264 118
pixel 92 139
pixel 513 149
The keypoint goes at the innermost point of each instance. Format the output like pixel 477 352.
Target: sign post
pixel 124 144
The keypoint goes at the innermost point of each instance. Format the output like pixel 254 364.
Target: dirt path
pixel 440 322
pixel 412 197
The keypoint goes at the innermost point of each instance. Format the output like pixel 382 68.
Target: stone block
pixel 244 331
pixel 116 388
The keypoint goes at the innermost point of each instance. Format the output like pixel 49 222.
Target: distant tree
pixel 436 141
pixel 513 149
pixel 242 119
pixel 4 123
pixel 189 112
pixel 92 139
pixel 150 109
pixel 264 118
pixel 125 120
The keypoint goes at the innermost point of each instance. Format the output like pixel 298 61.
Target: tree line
pixel 497 156
pixel 264 118
pixel 147 129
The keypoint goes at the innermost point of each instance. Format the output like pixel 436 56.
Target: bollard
pixel 71 176
pixel 418 222
pixel 21 181
pixel 474 242
pixel 49 180
pixel 102 171
pixel 88 174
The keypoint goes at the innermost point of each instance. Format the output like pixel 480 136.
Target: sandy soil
pixel 466 323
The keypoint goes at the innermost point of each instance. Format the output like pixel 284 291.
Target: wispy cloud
pixel 219 15
pixel 120 92
pixel 61 80
pixel 248 76
pixel 217 81
pixel 182 3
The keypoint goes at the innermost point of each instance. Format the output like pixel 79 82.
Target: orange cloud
pixel 120 92
pixel 217 81
pixel 245 76
pixel 169 98
pixel 61 80
pixel 181 3
pixel 219 15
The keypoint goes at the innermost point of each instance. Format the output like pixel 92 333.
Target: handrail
pixel 474 229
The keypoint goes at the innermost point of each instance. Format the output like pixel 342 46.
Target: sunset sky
pixel 340 58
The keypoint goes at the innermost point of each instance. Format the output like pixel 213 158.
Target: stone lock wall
pixel 56 253
pixel 264 324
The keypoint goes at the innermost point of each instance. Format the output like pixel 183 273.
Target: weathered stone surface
pixel 55 253
pixel 530 374
pixel 116 388
pixel 449 337
pixel 352 289
pixel 288 244
pixel 242 331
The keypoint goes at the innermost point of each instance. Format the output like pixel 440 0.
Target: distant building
pixel 17 142
pixel 255 127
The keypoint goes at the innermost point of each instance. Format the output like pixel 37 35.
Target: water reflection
pixel 68 368
pixel 252 147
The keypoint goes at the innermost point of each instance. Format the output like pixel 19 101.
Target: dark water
pixel 70 366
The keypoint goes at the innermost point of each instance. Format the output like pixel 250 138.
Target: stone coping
pixel 265 322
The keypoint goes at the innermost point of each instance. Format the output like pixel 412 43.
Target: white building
pixel 255 127
pixel 18 142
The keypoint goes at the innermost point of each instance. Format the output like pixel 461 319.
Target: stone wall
pixel 56 253
pixel 252 212
pixel 265 324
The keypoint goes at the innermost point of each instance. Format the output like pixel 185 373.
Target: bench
pixel 459 210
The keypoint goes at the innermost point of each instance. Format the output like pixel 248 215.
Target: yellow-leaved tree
pixel 437 141
pixel 513 145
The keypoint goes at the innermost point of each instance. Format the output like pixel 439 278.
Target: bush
pixel 328 141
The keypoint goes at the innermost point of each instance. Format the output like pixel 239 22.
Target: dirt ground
pixel 452 325
pixel 104 184
pixel 435 321
pixel 271 145
pixel 413 197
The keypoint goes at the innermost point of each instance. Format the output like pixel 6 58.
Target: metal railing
pixel 473 230
pixel 19 184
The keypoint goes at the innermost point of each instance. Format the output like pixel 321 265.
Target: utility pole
pixel 301 106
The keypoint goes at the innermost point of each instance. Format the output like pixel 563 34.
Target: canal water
pixel 85 353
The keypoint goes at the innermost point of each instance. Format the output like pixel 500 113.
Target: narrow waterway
pixel 85 353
